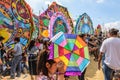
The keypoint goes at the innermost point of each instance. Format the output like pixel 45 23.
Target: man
pixel 16 62
pixel 111 48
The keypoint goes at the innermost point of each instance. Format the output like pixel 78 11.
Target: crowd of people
pixel 35 58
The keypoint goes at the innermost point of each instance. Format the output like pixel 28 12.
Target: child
pixel 47 67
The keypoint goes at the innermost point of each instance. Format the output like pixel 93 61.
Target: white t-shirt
pixel 111 48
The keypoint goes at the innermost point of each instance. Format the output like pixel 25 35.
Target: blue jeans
pixel 16 66
pixel 24 65
pixel 107 72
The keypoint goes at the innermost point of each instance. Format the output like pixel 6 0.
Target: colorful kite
pixel 72 50
pixel 58 23
pixel 98 30
pixel 23 20
pixel 21 10
pixel 6 20
pixel 15 21
pixel 62 20
pixel 36 26
pixel 84 25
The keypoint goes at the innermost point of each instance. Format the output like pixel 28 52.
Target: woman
pixel 47 67
pixel 32 52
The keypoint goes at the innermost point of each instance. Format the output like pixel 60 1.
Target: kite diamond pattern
pixel 74 53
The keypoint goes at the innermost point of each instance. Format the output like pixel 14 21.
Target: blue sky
pixel 100 11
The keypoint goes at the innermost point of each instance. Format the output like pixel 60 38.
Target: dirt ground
pixel 92 73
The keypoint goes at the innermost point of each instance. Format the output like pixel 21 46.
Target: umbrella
pixel 72 50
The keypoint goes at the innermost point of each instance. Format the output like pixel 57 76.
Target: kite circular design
pixel 72 50
pixel 84 25
pixel 15 21
pixel 20 10
pixel 58 23
pixel 6 23
pixel 23 21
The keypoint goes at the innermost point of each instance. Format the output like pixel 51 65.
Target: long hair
pixel 31 45
pixel 1 38
pixel 17 39
pixel 41 63
pixel 82 35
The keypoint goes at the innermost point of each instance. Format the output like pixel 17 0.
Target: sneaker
pixel 17 75
pixel 12 77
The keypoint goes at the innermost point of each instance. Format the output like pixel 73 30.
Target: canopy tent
pixel 50 23
pixel 84 25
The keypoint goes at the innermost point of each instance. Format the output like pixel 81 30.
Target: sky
pixel 104 12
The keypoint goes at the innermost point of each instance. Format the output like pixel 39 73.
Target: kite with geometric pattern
pixel 72 50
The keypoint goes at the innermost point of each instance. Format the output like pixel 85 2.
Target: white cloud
pixel 58 2
pixel 41 5
pixel 110 25
pixel 36 5
pixel 100 1
pixel 48 2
